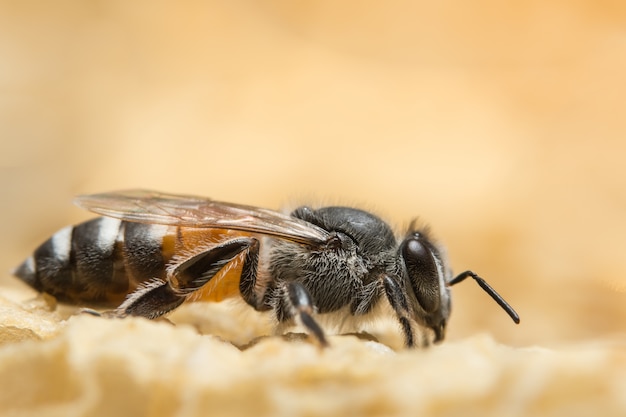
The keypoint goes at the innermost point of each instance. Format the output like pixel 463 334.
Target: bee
pixel 150 252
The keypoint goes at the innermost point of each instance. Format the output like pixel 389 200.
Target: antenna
pixel 489 290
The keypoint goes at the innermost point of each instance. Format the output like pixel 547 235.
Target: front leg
pixel 158 297
pixel 398 301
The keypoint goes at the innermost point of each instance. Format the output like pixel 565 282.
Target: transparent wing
pixel 146 206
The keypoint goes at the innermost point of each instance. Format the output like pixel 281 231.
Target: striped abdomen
pixel 98 261
pixel 101 261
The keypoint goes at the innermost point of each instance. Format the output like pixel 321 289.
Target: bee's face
pixel 426 276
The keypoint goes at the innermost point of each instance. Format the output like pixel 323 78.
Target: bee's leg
pixel 192 274
pixel 296 302
pixel 247 282
pixel 398 301
pixel 158 297
pixel 150 300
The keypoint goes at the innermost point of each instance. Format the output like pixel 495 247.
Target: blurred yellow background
pixel 503 126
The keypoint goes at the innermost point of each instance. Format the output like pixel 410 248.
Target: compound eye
pixel 423 273
pixel 418 256
pixel 414 251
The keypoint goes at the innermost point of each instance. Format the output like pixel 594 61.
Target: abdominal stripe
pixel 143 244
pixel 97 268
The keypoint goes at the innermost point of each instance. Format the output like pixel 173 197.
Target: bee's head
pixel 426 282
